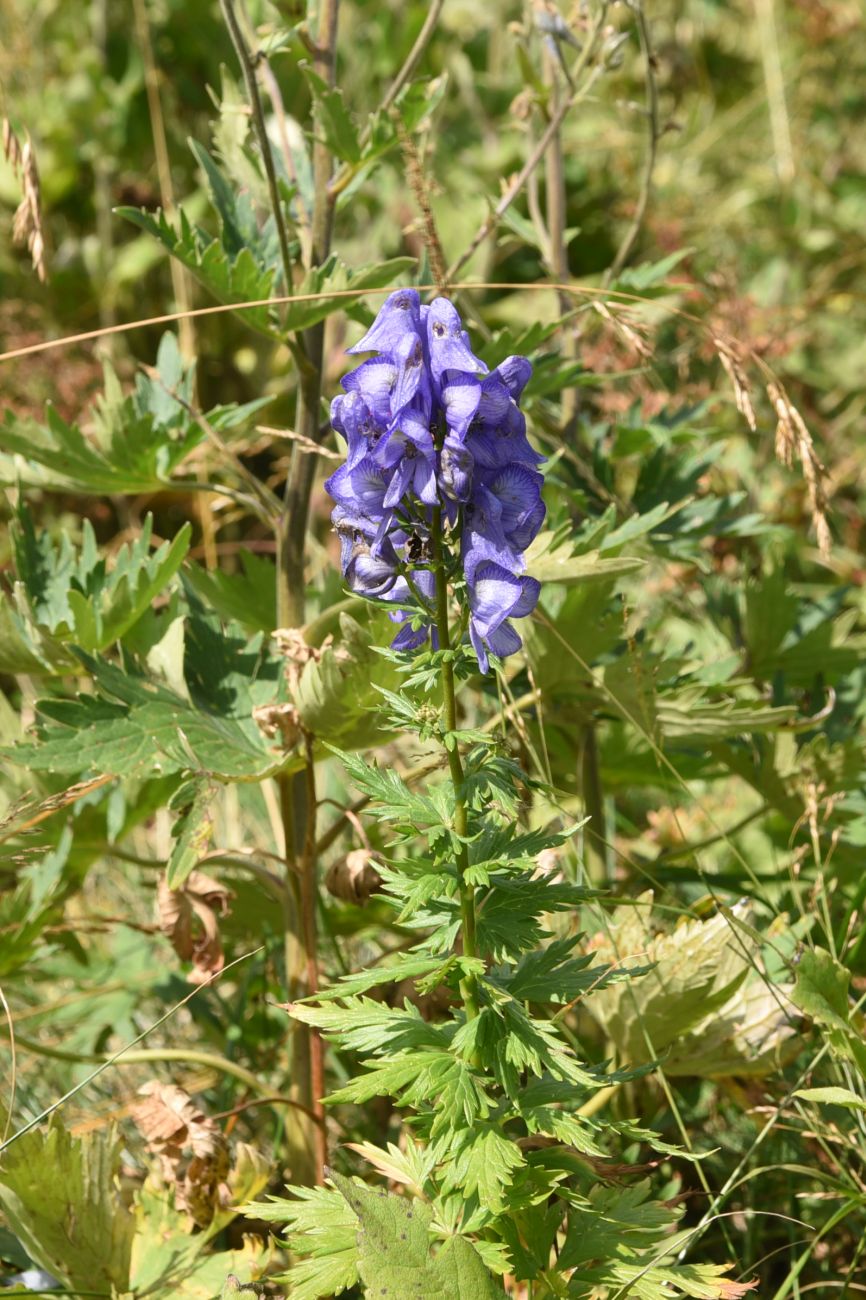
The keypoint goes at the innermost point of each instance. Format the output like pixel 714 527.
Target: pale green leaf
pixel 832 1096
pixel 191 831
pixel 60 1197
pixel 396 1256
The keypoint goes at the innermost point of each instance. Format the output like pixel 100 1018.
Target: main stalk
pixel 469 985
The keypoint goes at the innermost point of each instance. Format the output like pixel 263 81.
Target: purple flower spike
pixel 432 437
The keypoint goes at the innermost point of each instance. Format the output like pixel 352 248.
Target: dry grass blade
pixel 618 319
pixel 27 222
pixel 304 445
pixel 23 815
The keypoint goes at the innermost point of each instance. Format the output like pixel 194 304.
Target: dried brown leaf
pixel 354 878
pixel 189 918
pixel 173 1127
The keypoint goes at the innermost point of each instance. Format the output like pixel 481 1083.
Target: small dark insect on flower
pixel 428 428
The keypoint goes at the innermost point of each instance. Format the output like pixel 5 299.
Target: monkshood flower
pixel 436 442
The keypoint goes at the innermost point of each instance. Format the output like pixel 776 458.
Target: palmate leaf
pixel 614 1218
pixel 404 968
pixel 137 443
pixel 553 974
pixel 482 1163
pixel 134 724
pixel 364 1025
pixel 687 714
pixel 393 801
pixel 248 597
pixel 511 920
pixel 231 277
pixel 167 1259
pixel 58 1195
pixel 74 597
pixel 323 1237
pixel 821 989
pixel 648 1281
pixel 705 1004
pixel 396 1256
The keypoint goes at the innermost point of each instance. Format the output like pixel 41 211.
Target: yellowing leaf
pixel 60 1197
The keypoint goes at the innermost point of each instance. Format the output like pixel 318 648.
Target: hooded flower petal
pixel 446 340
pixel 375 380
pixel 531 590
pixel 408 356
pixel 493 593
pixel 351 417
pixel 528 530
pixel 515 373
pixel 461 394
pixel 399 314
pixel 363 487
pixel 456 463
pixel 518 491
pixel 368 574
pixel 504 640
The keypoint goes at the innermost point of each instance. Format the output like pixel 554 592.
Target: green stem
pixel 469 985
pixel 297 793
pixel 595 833
pixel 249 73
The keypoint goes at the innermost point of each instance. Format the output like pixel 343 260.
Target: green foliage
pixel 688 713
pixel 192 829
pixel 131 724
pixel 705 1007
pixel 65 598
pixel 394 1250
pixel 139 440
pixel 58 1195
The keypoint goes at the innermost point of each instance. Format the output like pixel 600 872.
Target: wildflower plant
pixel 499 1161
pixel 483 1135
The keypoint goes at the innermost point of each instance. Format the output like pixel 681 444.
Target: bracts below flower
pixel 433 438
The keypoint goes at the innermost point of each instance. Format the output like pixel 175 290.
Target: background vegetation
pixel 694 681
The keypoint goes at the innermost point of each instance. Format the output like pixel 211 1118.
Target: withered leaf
pixel 189 918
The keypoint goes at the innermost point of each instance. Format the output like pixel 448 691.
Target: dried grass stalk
pixel 794 440
pixel 735 370
pixel 27 228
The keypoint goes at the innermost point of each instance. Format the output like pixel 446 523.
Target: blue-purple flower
pixel 430 433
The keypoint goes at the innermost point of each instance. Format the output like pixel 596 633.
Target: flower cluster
pixel 437 449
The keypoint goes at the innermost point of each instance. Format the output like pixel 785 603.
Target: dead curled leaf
pixel 191 1149
pixel 354 878
pixel 279 720
pixel 189 918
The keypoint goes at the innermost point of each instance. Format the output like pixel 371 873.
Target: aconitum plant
pixel 440 482
pixel 465 1033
